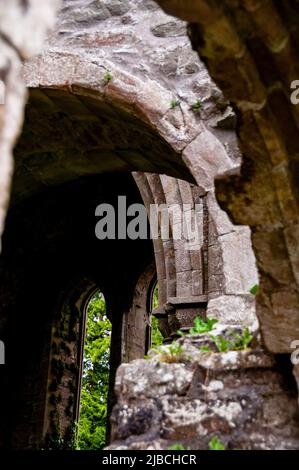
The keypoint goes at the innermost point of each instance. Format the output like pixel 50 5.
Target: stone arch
pixel 75 114
pixel 194 153
pixel 178 144
pixel 41 149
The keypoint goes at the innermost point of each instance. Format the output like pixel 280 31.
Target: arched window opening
pixel 95 375
pixel 156 337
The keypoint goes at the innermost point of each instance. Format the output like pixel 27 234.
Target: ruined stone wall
pixel 149 60
pixel 245 399
pixel 148 56
pixel 250 49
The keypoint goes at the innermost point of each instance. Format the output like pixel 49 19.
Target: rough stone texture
pixel 23 26
pixel 79 124
pixel 87 43
pixel 220 264
pixel 249 48
pixel 231 269
pixel 234 310
pixel 133 127
pixel 244 398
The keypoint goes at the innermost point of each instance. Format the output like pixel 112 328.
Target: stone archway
pixel 90 117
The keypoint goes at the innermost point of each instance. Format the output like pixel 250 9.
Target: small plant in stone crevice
pixel 197 106
pixel 216 444
pixel 206 349
pixel 174 103
pixel 236 343
pixel 202 326
pixel 177 446
pixel 168 353
pixel 108 77
pixel 222 344
pixel 255 289
pixel 242 341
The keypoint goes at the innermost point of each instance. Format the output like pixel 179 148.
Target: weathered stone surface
pixel 264 196
pixel 208 159
pixel 140 418
pixel 234 310
pixel 170 29
pixel 155 380
pixel 241 397
pixel 150 62
pixel 232 268
pixel 80 123
pixel 11 112
pixel 35 19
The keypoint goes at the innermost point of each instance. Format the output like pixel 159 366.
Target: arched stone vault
pixel 70 94
pixel 80 126
pixel 82 130
pixel 68 135
pixel 85 128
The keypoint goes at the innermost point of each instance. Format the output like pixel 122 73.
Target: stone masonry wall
pixel 245 399
pixel 250 49
pixel 150 58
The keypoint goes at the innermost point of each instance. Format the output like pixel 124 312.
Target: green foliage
pixel 175 348
pixel 155 301
pixel 157 337
pixel 174 103
pixel 196 107
pixel 170 352
pixel 242 341
pixel 255 289
pixel 216 444
pixel 108 77
pixel 236 343
pixel 177 447
pixel 202 326
pixel 95 380
pixel 205 349
pixel 222 344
